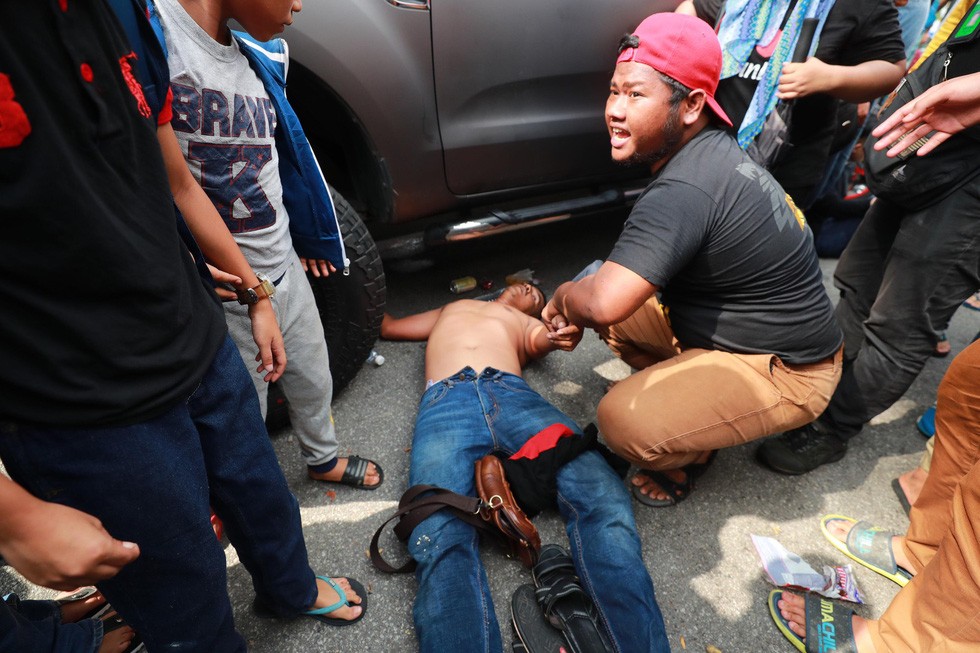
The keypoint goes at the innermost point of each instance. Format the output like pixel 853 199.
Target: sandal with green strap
pixel 869 546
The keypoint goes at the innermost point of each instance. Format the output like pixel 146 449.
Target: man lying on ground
pixel 476 403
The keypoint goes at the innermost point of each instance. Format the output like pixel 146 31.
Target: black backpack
pixel 917 182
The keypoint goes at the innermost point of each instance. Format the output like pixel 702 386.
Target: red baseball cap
pixel 684 48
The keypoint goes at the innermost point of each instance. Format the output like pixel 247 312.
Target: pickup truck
pixel 443 120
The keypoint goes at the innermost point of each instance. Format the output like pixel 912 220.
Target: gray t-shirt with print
pixel 733 257
pixel 225 124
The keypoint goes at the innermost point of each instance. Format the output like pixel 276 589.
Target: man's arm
pixel 608 297
pixel 861 83
pixel 414 327
pixel 56 546
pixel 220 248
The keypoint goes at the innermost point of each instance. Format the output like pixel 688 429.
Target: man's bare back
pixel 504 334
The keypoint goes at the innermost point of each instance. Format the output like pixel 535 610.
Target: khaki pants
pixel 685 402
pixel 939 610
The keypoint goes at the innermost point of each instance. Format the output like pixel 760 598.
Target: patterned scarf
pixel 756 23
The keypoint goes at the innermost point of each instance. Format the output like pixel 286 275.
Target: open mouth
pixel 618 136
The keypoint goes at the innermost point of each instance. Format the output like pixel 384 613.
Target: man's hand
pixel 562 335
pixel 803 79
pixel 318 266
pixel 220 277
pixel 946 109
pixel 268 337
pixel 59 547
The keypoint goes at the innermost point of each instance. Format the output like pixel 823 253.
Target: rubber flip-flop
pixel 320 614
pixel 356 471
pixel 869 546
pixel 820 612
pixel 265 611
pixel 902 497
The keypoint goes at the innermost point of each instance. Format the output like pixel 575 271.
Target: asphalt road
pixel 707 575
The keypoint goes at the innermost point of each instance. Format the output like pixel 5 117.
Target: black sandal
pixel 676 491
pixel 566 604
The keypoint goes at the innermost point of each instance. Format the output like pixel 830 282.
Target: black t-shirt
pixel 733 258
pixel 855 31
pixel 105 319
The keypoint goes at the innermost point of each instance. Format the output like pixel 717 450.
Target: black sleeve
pixel 708 10
pixel 857 31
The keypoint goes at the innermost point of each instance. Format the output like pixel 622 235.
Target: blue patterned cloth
pixel 747 24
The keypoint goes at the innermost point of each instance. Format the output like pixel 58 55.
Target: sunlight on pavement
pixel 897 411
pixel 567 388
pixel 613 370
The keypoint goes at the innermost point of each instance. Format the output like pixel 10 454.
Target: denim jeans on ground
pixel 902 273
pixel 151 483
pixel 35 627
pixel 460 420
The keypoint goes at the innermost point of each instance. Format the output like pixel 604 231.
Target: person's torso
pixel 225 123
pixel 732 255
pixel 476 334
pixel 108 321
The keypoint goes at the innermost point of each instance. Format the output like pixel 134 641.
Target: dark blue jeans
pixel 460 420
pixel 903 275
pixel 36 627
pixel 151 483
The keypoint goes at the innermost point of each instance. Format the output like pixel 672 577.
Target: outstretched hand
pixel 59 547
pixel 945 109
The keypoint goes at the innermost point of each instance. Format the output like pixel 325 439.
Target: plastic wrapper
pixel 786 569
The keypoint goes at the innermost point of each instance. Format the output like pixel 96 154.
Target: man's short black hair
pixel 628 41
pixel 544 295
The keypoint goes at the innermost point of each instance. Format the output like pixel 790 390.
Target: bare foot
pixel 371 477
pixel 72 611
pixel 942 347
pixel 117 641
pixel 652 489
pixel 793 609
pixel 327 596
pixel 912 482
pixel 116 635
pixel 839 528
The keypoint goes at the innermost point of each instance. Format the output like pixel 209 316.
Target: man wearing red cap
pixel 713 290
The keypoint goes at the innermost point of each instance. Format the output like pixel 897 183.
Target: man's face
pixel 643 127
pixel 525 297
pixel 263 19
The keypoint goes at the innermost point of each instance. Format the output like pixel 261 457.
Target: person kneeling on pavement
pixel 742 340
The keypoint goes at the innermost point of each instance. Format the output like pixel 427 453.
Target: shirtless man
pixel 469 414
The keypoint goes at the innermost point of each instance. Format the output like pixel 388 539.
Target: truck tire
pixel 351 307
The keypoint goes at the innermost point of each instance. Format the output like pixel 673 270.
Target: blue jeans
pixel 460 420
pixel 36 627
pixel 151 483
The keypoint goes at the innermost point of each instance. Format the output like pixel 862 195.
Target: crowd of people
pixel 163 208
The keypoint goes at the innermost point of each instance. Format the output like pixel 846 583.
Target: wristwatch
pixel 255 293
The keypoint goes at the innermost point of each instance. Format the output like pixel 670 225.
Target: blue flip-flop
pixel 320 614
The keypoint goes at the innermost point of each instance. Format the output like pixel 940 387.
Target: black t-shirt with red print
pixel 105 319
